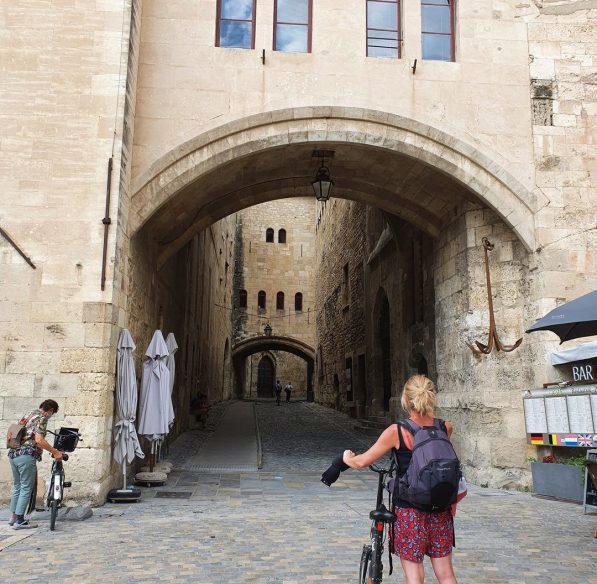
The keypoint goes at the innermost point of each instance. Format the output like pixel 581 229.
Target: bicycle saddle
pixel 383 515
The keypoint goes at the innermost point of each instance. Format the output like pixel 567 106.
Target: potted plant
pixel 561 478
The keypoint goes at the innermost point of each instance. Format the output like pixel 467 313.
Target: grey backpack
pixel 430 482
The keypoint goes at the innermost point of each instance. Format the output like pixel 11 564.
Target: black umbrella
pixel 575 319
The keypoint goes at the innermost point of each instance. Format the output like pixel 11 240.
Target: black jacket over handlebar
pixel 330 476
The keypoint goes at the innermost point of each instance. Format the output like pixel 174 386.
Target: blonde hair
pixel 419 395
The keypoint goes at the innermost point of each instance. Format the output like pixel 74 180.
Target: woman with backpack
pixel 425 527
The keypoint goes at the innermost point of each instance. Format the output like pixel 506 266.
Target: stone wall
pixel 481 394
pixel 62 103
pixel 365 258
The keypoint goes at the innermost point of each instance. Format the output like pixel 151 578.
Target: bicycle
pixel 371 568
pixel 66 441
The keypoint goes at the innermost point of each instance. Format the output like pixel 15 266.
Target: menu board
pixel 579 413
pixel 534 415
pixel 561 416
pixel 557 415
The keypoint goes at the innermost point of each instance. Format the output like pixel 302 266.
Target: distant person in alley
pixel 278 391
pixel 288 390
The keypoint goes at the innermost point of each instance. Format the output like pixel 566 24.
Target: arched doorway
pixel 265 377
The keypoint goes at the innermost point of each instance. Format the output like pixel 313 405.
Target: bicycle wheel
pixel 53 513
pixel 365 563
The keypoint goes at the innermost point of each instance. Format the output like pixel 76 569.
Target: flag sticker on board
pixel 585 440
pixel 537 439
pixel 569 440
pixel 553 440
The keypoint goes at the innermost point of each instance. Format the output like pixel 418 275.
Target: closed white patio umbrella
pixel 126 441
pixel 155 402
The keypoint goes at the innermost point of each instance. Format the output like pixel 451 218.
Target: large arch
pixel 383 160
pixel 273 343
pixel 259 344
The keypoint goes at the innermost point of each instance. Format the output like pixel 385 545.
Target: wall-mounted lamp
pixel 323 184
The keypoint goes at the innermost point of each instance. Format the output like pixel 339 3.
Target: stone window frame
pixel 219 19
pixel 282 235
pixel 269 235
pixel 280 300
pixel 308 24
pixel 298 302
pixel 261 300
pixel 451 34
pixel 397 30
pixel 242 299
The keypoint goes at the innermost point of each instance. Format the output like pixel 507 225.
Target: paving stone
pixel 282 525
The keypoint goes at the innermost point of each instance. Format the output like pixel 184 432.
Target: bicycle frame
pixel 57 484
pixel 371 569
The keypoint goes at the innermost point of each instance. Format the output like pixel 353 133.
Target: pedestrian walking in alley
pixel 23 461
pixel 288 390
pixel 416 532
pixel 278 391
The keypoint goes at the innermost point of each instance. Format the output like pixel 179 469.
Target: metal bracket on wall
pixel 480 348
pixel 17 248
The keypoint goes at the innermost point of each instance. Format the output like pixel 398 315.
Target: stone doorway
pixel 265 377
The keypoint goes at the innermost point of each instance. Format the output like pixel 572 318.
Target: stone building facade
pixel 130 133
pixel 274 286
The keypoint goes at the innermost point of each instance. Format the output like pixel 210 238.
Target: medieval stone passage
pixel 497 141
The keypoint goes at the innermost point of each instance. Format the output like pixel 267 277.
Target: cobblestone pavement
pixel 283 526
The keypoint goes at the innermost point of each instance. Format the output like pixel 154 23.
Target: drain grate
pixel 173 495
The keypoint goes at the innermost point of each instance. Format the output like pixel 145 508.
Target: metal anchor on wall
pixel 480 348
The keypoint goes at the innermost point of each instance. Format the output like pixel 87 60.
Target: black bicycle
pixel 66 441
pixel 371 569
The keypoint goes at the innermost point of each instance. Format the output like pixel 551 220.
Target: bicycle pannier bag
pixel 16 434
pixel 431 480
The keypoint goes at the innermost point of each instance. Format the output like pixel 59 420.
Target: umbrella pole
pixel 152 456
pixel 124 474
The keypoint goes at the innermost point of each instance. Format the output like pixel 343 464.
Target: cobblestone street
pixel 282 525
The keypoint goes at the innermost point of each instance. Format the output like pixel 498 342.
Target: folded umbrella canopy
pixel 126 443
pixel 155 403
pixel 170 362
pixel 572 320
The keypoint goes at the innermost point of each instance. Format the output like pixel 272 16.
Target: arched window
pixel 269 235
pixel 437 30
pixel 298 302
pixel 261 299
pixel 282 236
pixel 242 299
pixel 280 301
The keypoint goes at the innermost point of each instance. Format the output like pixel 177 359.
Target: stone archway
pixel 267 344
pixel 215 174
